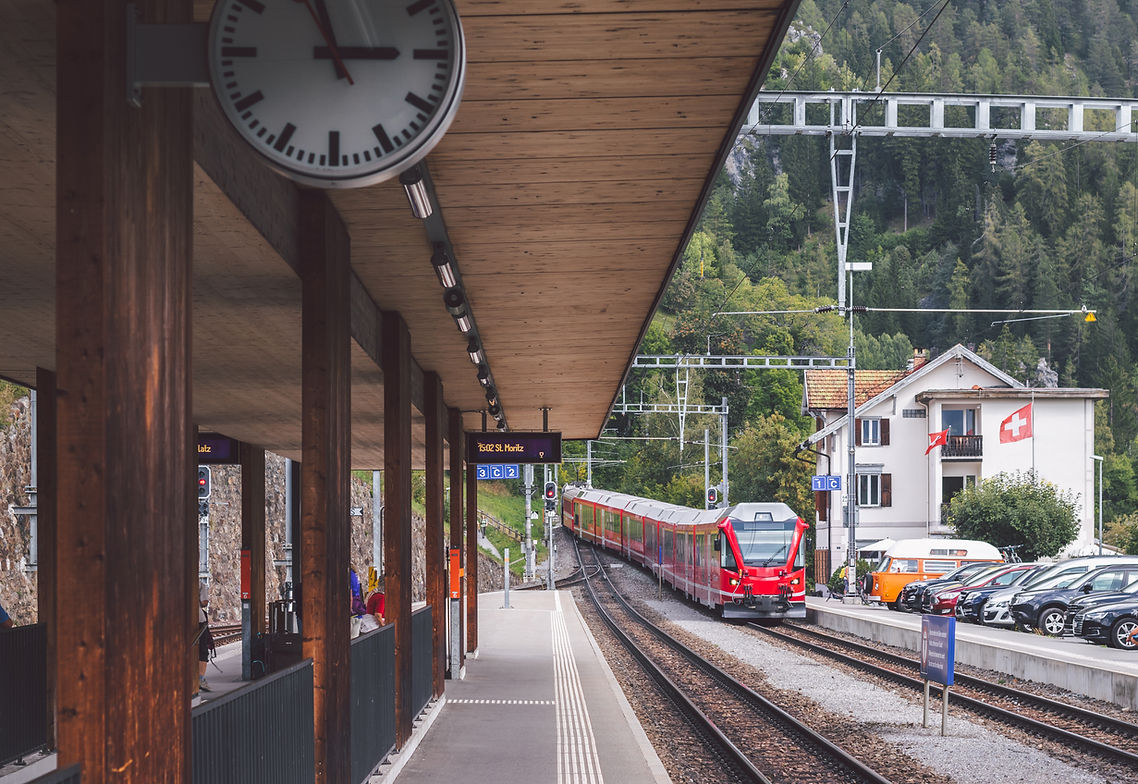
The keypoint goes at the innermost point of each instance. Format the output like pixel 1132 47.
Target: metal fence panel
pixel 373 700
pixel 260 733
pixel 23 691
pixel 421 642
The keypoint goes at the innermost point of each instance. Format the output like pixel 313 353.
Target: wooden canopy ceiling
pixel 588 137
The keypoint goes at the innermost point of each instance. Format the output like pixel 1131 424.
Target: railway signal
pixel 712 496
pixel 203 482
pixel 550 496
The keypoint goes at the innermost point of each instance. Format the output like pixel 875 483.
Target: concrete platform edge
pixel 418 732
pixel 1093 681
pixel 659 773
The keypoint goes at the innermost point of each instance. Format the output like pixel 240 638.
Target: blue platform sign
pixel 824 482
pixel 499 471
pixel 938 648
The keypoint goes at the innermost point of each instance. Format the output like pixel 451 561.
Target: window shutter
pixel 885 432
pixel 857 432
pixel 887 489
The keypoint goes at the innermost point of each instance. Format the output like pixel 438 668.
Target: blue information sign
pixel 824 482
pixel 938 648
pixel 500 471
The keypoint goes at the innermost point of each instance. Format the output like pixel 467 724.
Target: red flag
pixel 937 439
pixel 1018 426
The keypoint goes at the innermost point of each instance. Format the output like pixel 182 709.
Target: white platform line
pixel 577 761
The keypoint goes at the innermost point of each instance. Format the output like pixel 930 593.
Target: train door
pixel 651 552
pixel 669 537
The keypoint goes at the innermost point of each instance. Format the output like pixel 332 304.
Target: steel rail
pixel 697 718
pixel 980 706
pixel 851 765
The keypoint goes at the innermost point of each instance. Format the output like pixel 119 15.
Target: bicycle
pixel 1010 553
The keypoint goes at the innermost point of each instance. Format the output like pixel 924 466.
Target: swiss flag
pixel 1018 426
pixel 937 439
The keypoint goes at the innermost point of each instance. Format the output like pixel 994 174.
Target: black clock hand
pixel 357 53
pixel 328 40
pixel 326 21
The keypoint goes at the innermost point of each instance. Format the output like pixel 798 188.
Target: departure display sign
pixel 498 448
pixel 214 448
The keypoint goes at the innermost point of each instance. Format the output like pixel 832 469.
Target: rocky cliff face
pixel 18 583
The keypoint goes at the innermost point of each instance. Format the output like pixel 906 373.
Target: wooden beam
pixel 253 529
pixel 435 415
pixel 123 227
pixel 326 407
pixel 455 441
pixel 472 559
pixel 397 508
pixel 46 557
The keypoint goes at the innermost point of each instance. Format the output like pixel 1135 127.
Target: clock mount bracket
pixel 163 55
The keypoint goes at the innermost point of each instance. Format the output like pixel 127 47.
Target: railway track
pixel 752 737
pixel 1085 730
pixel 227 632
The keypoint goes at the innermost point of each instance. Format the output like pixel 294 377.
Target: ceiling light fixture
pixel 492 396
pixel 474 349
pixel 444 267
pixel 416 190
pixel 484 377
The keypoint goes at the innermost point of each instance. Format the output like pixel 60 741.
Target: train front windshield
pixel 764 541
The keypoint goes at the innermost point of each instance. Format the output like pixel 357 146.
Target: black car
pixel 912 595
pixel 970 605
pixel 1111 624
pixel 1046 609
pixel 1085 603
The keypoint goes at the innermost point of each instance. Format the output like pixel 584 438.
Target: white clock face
pixel 338 93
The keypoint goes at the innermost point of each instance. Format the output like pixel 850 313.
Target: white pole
pixel 1099 460
pixel 377 520
pixel 706 467
pixel 725 503
pixel 506 579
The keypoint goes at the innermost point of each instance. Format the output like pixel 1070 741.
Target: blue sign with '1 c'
pixel 938 648
pixel 823 482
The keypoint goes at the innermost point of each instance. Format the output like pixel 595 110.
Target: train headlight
pixel 734 581
pixel 795 581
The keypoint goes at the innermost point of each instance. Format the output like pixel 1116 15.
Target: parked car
pixel 1084 603
pixel 910 597
pixel 945 599
pixel 1111 624
pixel 1045 608
pixel 970 605
pixel 931 593
pixel 997 610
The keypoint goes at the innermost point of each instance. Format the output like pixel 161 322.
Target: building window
pixel 958 421
pixel 874 490
pixel 870 432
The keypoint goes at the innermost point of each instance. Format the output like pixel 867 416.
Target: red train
pixel 745 561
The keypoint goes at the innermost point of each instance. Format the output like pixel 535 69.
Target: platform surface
pixel 538 704
pixel 1068 662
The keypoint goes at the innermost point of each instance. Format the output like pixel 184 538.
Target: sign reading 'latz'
pixel 487 448
pixel 217 449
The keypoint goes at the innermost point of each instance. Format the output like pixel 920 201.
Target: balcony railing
pixel 963 446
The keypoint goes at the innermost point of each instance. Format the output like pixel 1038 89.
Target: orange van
pixel 922 559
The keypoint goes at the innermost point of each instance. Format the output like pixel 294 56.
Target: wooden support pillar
pixel 471 558
pixel 46 488
pixel 454 429
pixel 123 258
pixel 253 528
pixel 435 414
pixel 397 508
pixel 326 452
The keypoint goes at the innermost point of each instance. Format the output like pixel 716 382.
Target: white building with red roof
pixel 994 424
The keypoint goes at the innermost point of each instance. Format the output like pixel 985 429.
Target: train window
pixel 650 539
pixel 764 542
pixel 727 559
pixel 696 551
pixel 669 536
pixel 635 528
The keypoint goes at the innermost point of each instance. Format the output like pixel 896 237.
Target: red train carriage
pixel 745 561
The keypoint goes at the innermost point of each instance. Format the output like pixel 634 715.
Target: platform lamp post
pixel 851 494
